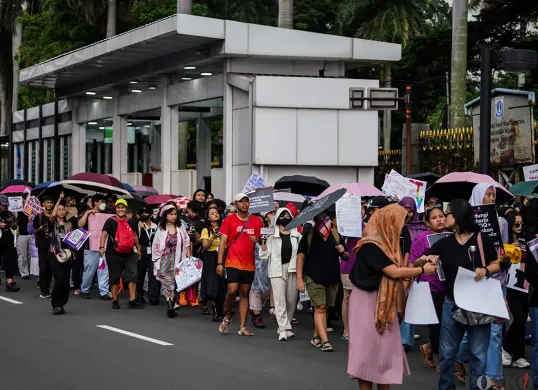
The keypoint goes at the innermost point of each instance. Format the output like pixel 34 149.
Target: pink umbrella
pixel 460 185
pixel 362 189
pixel 158 199
pixel 16 189
pixel 145 190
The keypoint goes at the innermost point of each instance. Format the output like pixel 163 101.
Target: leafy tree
pixel 95 10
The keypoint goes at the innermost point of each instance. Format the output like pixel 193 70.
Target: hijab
pixel 383 230
pixel 479 191
pixel 415 226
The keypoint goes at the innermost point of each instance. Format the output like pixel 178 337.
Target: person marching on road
pixel 24 245
pixel 146 234
pixel 41 231
pixel 119 238
pixel 7 244
pixel 239 235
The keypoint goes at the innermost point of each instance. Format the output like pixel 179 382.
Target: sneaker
pixel 330 329
pixel 135 305
pixel 417 337
pixel 26 277
pixel 45 296
pixel 86 295
pixel 282 336
pixel 205 310
pixel 294 321
pixel 116 304
pixel 106 298
pixel 258 322
pixel 58 311
pixel 12 287
pixel 289 334
pixel 78 291
pixel 507 359
pixel 38 285
pixel 140 299
pixel 521 363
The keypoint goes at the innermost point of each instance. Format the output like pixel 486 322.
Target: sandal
pixel 326 347
pixel 316 341
pixel 241 332
pixel 496 387
pixel 344 338
pixel 438 369
pixel 460 374
pixel 427 356
pixel 224 327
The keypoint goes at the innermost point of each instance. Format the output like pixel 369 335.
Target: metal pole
pixel 448 123
pixel 408 130
pixel 57 153
pixel 485 109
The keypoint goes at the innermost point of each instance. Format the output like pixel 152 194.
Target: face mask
pixel 144 218
pixel 102 207
pixel 283 221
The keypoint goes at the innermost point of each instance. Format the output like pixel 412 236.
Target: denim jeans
pixel 407 332
pixel 452 333
pixel 494 369
pixel 91 265
pixel 534 340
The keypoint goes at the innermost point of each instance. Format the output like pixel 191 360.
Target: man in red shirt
pixel 240 233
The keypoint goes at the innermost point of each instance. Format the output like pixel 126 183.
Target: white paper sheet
pixel 484 296
pixel 349 216
pixel 420 309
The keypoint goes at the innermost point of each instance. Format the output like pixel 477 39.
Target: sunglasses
pixel 519 224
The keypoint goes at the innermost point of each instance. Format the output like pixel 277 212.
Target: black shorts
pixel 234 275
pixel 121 264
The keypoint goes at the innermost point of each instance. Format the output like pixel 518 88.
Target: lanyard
pixel 149 235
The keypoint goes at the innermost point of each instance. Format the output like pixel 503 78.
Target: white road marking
pixel 137 336
pixel 10 300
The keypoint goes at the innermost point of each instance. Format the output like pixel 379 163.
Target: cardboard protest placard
pixel 95 227
pixel 16 204
pixel 32 206
pixel 530 172
pixel 398 187
pixel 349 216
pixel 255 181
pixel 261 200
pixel 486 218
pixel 76 238
pixel 516 273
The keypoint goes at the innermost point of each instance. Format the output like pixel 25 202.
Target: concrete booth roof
pixel 188 47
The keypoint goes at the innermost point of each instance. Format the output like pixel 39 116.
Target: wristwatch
pixel 488 274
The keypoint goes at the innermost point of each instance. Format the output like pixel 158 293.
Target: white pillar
pixel 119 144
pixel 203 150
pixel 169 121
pixel 78 143
pixel 228 138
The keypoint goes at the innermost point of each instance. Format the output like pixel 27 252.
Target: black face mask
pixel 283 221
pixel 145 218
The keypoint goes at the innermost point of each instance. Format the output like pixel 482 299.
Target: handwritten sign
pixel 95 227
pixel 16 204
pixel 32 206
pixel 261 200
pixel 531 172
pixel 76 238
pixel 188 272
pixel 486 218
pixel 254 181
pixel 398 187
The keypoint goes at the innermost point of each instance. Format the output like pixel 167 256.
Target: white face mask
pixel 102 207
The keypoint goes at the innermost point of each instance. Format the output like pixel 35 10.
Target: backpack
pixel 125 239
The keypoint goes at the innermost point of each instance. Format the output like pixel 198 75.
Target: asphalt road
pixel 74 352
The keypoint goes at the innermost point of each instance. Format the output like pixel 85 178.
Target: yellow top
pixel 216 242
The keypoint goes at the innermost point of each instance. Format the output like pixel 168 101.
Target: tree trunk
pixel 285 13
pixel 16 41
pixel 184 7
pixel 111 19
pixel 5 112
pixel 458 72
pixel 387 114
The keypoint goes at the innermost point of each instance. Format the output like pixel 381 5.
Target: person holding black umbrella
pixel 8 221
pixel 318 271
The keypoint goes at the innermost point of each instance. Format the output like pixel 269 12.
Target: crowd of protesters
pixel 242 269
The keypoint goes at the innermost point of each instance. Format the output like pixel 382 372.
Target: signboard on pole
pixel 261 201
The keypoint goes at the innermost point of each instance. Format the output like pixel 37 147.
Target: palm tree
pixel 458 66
pixel 94 10
pixel 285 13
pixel 389 21
pixel 184 7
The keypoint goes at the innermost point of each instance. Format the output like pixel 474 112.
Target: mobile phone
pixel 224 273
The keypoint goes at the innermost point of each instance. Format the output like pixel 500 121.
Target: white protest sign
pixel 349 215
pixel 419 309
pixel 303 296
pixel 254 181
pixel 16 204
pixel 399 187
pixel 531 172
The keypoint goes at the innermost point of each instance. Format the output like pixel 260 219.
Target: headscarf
pixel 165 208
pixel 478 193
pixel 384 230
pixel 416 226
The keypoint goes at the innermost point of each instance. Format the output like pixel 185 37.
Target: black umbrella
pixel 16 182
pixel 303 185
pixel 137 203
pixel 316 207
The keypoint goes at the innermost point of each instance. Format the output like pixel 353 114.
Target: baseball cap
pixel 4 201
pixel 121 201
pixel 240 196
pixel 379 202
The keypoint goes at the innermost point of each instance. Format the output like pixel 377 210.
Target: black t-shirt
pixel 22 222
pixel 110 227
pixel 405 241
pixel 368 268
pixel 43 238
pixel 322 260
pixel 146 236
pixel 8 239
pixel 453 255
pixel 286 250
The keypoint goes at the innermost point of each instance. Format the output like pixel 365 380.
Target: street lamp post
pixel 510 60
